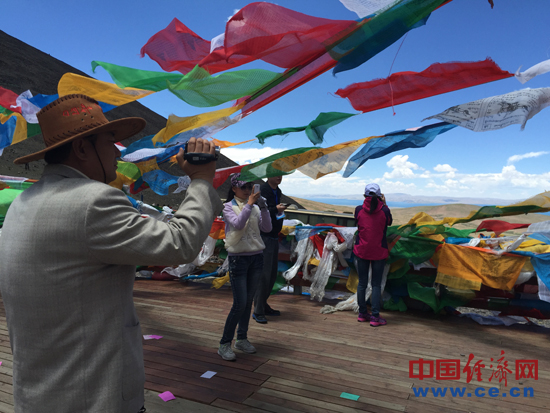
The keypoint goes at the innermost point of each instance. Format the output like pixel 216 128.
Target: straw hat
pixel 76 116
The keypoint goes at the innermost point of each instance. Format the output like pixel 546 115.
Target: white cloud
pixel 444 168
pixel 250 155
pixel 405 176
pixel 447 169
pixel 402 168
pixel 235 11
pixel 516 158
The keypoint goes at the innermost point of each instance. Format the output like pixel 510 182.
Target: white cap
pixel 372 189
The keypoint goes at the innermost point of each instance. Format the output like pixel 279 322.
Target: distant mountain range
pixel 423 200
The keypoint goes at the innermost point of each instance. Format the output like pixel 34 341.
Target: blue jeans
pixel 363 273
pixel 244 272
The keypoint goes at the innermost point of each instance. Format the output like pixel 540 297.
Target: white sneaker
pixel 245 346
pixel 226 352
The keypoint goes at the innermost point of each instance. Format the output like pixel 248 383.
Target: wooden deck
pixel 306 360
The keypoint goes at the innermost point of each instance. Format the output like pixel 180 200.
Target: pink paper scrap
pixel 151 337
pixel 167 396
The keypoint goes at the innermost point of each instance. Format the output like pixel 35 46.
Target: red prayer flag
pixel 7 99
pixel 176 48
pixel 406 87
pixel 274 34
pixel 218 229
pixel 498 227
pixel 222 174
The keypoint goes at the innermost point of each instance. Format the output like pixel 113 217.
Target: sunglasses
pixel 247 186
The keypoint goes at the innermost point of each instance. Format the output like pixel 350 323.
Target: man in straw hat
pixel 68 252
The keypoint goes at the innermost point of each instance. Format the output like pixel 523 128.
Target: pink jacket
pixel 371 243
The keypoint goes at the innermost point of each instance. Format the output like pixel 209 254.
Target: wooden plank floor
pixel 305 359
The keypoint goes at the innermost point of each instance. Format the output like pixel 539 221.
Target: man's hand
pixel 206 171
pixel 281 208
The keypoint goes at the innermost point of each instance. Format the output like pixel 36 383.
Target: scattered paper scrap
pixel 209 374
pixel 167 396
pixel 349 396
pixel 151 337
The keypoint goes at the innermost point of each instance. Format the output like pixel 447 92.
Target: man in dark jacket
pixel 272 193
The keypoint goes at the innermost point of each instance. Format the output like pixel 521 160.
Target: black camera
pixel 196 158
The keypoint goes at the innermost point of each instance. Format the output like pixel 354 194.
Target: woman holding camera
pixel 371 251
pixel 245 214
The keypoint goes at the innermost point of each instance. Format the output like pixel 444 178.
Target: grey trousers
pixel 269 274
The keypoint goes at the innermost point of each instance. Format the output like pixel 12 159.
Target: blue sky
pixel 459 163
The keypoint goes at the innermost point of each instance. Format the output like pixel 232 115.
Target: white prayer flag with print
pixel 498 111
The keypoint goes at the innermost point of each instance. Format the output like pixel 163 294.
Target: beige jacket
pixel 68 251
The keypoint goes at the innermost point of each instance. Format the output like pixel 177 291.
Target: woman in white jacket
pixel 245 214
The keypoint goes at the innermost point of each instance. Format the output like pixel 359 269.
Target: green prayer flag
pixel 264 169
pixel 7 196
pixel 33 129
pixel 427 296
pixel 199 88
pixel 128 169
pixel 392 305
pixel 280 282
pixel 280 131
pixel 140 79
pixel 315 130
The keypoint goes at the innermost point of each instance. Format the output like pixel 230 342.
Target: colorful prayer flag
pixel 315 130
pixel 468 268
pixel 215 121
pixel 101 91
pixel 143 79
pixel 364 8
pixel 406 87
pixel 497 112
pixel 538 69
pixel 319 162
pixel 199 88
pixel 396 141
pixel 274 34
pixel 381 31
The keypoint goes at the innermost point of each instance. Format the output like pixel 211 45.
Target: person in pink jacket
pixel 371 251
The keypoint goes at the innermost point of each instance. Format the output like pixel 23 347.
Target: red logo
pixel 421 363
pixel 527 369
pixel 449 369
pixel 78 110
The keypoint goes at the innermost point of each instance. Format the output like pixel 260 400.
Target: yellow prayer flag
pixel 100 91
pixel 146 166
pixel 541 200
pixel 469 267
pixel 319 162
pixel 353 281
pixel 121 180
pixel 226 144
pixel 220 281
pixel 176 124
pixel 20 133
